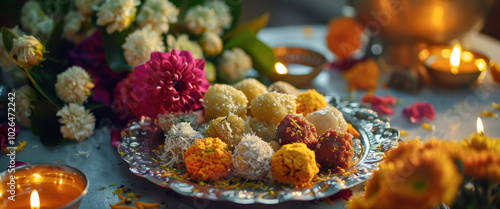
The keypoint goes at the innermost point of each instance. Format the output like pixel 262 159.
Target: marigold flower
pixel 76 122
pixel 363 76
pixel 140 44
pixel 157 14
pixel 74 85
pixel 310 101
pixel 212 43
pixel 117 15
pixel 27 51
pixel 208 159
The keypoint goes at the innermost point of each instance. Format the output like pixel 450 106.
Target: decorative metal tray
pixel 143 136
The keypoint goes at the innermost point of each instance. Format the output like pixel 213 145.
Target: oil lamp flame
pixel 480 128
pixel 34 200
pixel 455 58
pixel 280 68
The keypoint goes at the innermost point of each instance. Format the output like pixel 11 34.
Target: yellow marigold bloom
pixel 482 143
pixel 363 76
pixel 294 164
pixel 208 159
pixel 483 165
pixel 310 101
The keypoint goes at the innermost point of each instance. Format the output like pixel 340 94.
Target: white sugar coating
pixel 328 117
pixel 177 141
pixel 265 131
pixel 222 99
pixel 272 107
pixel 252 158
pixel 283 87
pixel 251 87
pixel 167 120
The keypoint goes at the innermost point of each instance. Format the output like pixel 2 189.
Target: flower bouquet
pixel 72 58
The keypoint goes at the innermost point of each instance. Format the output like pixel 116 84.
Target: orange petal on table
pixel 495 72
pixel 490 114
pixel 344 36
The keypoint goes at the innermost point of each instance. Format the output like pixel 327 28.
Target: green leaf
pixel 44 122
pixel 235 7
pixel 184 5
pixel 263 57
pixel 113 49
pixel 55 37
pixel 254 25
pixel 44 80
pixel 8 38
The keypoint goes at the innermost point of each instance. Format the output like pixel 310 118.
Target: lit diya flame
pixel 481 64
pixel 480 128
pixel 455 58
pixel 34 200
pixel 280 68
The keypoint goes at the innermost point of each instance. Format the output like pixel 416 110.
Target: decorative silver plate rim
pixel 376 137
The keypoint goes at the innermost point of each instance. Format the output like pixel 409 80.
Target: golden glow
pixel 446 53
pixel 280 68
pixel 467 56
pixel 479 125
pixel 455 58
pixel 481 64
pixel 34 200
pixel 424 54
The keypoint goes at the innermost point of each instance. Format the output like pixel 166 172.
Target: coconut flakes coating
pixel 222 99
pixel 177 141
pixel 229 129
pixel 252 158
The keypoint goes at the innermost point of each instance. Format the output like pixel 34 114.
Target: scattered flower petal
pixel 490 114
pixel 116 138
pixel 403 133
pixel 382 105
pixel 420 110
pixel 495 105
pixel 428 127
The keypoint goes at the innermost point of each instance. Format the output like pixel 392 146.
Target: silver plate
pixel 144 135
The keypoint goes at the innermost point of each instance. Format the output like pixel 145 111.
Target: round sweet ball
pixel 295 128
pixel 262 129
pixel 310 101
pixel 335 150
pixel 252 158
pixel 251 87
pixel 177 141
pixel 222 99
pixel 283 87
pixel 208 159
pixel 294 164
pixel 327 118
pixel 275 145
pixel 229 129
pixel 272 107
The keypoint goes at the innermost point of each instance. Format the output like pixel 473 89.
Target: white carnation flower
pixel 200 19
pixel 212 43
pixel 117 14
pixel 233 64
pixel 158 14
pixel 74 85
pixel 72 24
pixel 183 43
pixel 222 12
pixel 23 109
pixel 27 51
pixel 86 7
pixel 139 45
pixel 76 122
pixel 35 21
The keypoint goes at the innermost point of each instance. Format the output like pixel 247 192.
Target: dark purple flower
pixel 89 55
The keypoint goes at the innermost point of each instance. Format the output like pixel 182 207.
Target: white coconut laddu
pixel 177 141
pixel 251 158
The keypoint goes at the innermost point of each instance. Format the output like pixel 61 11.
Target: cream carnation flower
pixel 183 43
pixel 27 51
pixel 72 24
pixel 86 7
pixel 234 64
pixel 35 21
pixel 23 109
pixel 74 85
pixel 158 14
pixel 222 13
pixel 200 19
pixel 76 122
pixel 212 43
pixel 139 45
pixel 117 14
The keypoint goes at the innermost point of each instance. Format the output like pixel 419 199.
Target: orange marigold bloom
pixel 344 37
pixel 363 76
pixel 310 101
pixel 294 164
pixel 208 159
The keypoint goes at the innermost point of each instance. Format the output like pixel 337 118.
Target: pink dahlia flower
pixel 172 82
